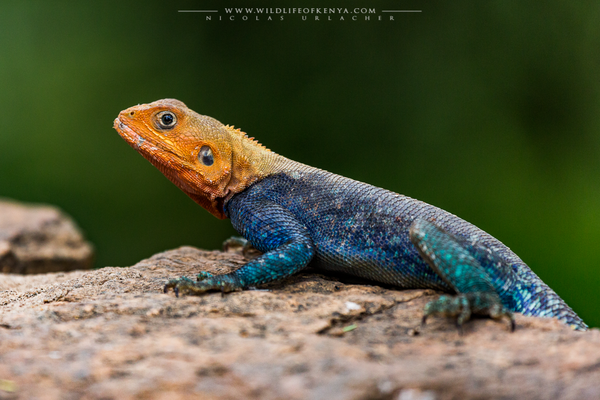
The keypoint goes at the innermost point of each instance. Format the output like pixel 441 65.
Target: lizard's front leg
pixel 457 267
pixel 272 229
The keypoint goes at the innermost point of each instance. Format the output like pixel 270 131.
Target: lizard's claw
pixel 172 284
pixel 185 285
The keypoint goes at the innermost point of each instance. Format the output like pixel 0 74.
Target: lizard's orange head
pixel 191 150
pixel 209 161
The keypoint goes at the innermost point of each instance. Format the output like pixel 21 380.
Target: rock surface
pixel 112 334
pixel 38 238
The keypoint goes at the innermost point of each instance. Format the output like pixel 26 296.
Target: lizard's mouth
pixel 134 139
pixel 153 150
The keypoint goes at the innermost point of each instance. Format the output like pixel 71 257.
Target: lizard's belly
pixel 392 260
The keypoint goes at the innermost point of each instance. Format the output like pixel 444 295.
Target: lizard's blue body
pixel 309 215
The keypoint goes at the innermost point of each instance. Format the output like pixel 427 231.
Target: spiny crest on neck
pixel 246 138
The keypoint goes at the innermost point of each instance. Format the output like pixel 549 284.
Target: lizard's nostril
pixel 131 113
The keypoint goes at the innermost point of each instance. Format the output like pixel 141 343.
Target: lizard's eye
pixel 205 156
pixel 166 120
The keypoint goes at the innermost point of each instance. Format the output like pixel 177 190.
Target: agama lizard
pixel 296 214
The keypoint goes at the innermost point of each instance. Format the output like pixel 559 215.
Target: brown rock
pixel 112 334
pixel 38 238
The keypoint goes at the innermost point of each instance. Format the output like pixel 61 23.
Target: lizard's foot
pixel 233 242
pixel 248 251
pixel 205 282
pixel 463 305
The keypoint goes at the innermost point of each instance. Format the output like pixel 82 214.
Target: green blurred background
pixel 487 109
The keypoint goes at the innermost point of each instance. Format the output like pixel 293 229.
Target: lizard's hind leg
pixel 457 267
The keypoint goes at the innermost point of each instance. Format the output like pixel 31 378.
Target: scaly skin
pixel 296 214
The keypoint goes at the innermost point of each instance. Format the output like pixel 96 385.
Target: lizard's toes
pixel 180 285
pixel 170 285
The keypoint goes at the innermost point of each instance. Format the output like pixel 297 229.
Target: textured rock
pixel 38 238
pixel 112 333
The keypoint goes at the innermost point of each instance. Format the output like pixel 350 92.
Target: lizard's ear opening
pixel 205 156
pixel 213 162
